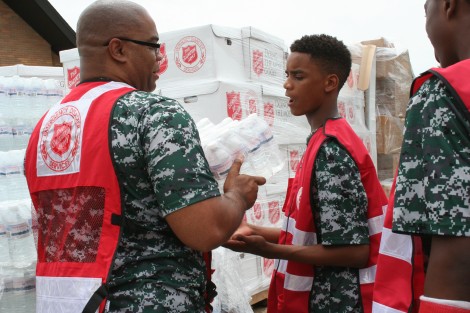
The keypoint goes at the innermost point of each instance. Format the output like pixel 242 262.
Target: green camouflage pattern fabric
pixel 340 214
pixel 433 187
pixel 161 168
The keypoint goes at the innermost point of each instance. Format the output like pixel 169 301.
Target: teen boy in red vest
pixel 432 192
pixel 125 200
pixel 327 247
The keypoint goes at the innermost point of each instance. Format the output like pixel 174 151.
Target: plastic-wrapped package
pixel 250 138
pixel 394 76
pixel 232 296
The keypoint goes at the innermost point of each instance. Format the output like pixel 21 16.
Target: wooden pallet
pixel 259 296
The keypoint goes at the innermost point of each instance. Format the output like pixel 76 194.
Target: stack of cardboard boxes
pixel 394 76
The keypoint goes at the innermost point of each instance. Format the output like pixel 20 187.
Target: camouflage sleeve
pixel 177 165
pixel 433 184
pixel 340 208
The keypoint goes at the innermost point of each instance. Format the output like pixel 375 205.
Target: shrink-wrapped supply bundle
pixel 393 81
pixel 250 139
pixel 26 93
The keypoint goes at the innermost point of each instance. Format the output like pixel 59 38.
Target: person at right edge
pixel 432 187
pixel 328 244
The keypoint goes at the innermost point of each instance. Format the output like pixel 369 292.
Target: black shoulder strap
pixel 96 299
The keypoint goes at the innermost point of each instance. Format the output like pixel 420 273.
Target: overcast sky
pixel 399 21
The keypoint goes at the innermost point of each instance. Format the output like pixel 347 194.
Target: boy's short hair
pixel 332 54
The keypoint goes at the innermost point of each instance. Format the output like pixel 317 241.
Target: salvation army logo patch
pixel 190 54
pixel 60 139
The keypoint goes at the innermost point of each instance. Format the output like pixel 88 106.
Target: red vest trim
pixel 292 281
pixel 400 272
pixel 76 195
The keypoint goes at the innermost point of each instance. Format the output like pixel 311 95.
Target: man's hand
pixel 243 186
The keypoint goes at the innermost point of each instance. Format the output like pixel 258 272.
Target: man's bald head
pixel 105 19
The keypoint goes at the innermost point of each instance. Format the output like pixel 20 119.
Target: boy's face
pixel 304 84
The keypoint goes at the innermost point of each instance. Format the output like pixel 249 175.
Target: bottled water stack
pixel 22 103
pixel 12 180
pixel 250 139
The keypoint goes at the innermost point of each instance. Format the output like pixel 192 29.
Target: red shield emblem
pixel 252 106
pixel 274 212
pixel 73 77
pixel 350 79
pixel 258 62
pixel 189 54
pixel 257 213
pixel 342 109
pixel 269 113
pixel 268 267
pixel 294 159
pixel 164 62
pixel 234 108
pixel 351 113
pixel 60 142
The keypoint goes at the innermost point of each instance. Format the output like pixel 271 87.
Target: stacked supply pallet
pixel 26 93
pixel 393 80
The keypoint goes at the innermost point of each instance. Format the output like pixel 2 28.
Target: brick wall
pixel 20 44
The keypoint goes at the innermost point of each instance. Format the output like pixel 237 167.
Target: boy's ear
pixel 331 83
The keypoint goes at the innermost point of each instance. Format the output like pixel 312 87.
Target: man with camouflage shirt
pixel 125 200
pixel 432 194
pixel 329 240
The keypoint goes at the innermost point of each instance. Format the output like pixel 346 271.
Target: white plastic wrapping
pixel 232 296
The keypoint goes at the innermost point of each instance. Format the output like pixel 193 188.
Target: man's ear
pixel 331 82
pixel 117 50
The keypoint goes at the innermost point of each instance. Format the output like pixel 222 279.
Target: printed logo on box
pixel 163 62
pixel 257 211
pixel 367 143
pixel 268 267
pixel 350 79
pixel 342 109
pixel 252 102
pixel 73 77
pixel 351 113
pixel 294 159
pixel 258 62
pixel 234 107
pixel 269 113
pixel 274 212
pixel 190 54
pixel 60 139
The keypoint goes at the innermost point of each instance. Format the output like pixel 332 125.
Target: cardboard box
pixel 392 96
pixel 389 134
pixel 265 56
pixel 216 100
pixel 71 63
pixel 387 185
pixel 379 42
pixel 387 165
pixel 206 52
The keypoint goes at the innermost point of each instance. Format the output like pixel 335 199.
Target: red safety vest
pixel 292 281
pixel 400 272
pixel 77 198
